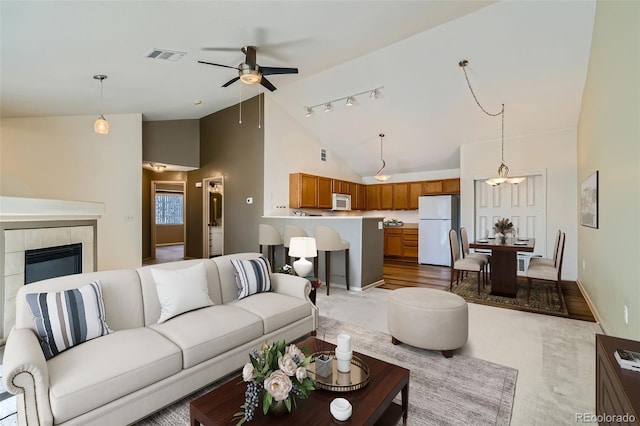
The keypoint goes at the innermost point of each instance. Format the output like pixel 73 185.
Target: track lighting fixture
pixel 350 101
pixel 101 126
pixel 378 176
pixel 503 170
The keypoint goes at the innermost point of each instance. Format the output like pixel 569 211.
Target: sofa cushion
pixel 252 276
pixel 107 368
pixel 275 310
pixel 67 318
pixel 209 332
pixel 181 290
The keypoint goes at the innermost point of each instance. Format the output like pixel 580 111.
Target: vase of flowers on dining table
pixel 503 227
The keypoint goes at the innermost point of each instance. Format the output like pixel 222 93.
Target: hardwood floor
pixel 166 254
pixel 399 273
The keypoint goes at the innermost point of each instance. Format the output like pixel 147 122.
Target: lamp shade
pixel 302 247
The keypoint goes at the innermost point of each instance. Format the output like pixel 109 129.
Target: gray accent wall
pixel 174 142
pixel 235 151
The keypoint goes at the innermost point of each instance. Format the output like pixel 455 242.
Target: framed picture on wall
pixel 589 201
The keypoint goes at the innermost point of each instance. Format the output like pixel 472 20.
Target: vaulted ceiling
pixel 530 55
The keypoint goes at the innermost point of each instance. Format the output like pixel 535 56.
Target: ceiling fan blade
pixel 230 82
pixel 277 70
pixel 250 56
pixel 218 65
pixel 267 84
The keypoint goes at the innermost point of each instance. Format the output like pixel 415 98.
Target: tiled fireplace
pixel 31 225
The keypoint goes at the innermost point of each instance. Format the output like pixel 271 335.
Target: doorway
pixel 168 206
pixel 213 217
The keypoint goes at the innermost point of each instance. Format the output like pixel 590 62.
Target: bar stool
pixel 328 240
pixel 269 236
pixel 289 232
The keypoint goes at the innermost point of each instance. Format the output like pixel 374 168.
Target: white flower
pixel 247 372
pixel 292 351
pixel 278 385
pixel 301 374
pixel 287 365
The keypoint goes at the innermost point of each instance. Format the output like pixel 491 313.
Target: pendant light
pixel 378 176
pixel 503 170
pixel 101 126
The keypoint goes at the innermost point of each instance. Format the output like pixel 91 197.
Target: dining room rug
pixel 442 391
pixel 544 297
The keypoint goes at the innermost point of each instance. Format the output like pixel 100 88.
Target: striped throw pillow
pixel 68 318
pixel 252 276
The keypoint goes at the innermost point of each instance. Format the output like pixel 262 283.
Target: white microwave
pixel 341 202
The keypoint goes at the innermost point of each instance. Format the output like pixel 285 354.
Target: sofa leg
pixel 395 341
pixel 447 354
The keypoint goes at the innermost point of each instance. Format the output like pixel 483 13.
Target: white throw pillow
pixel 181 290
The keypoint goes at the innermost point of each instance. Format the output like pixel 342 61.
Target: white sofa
pixel 143 366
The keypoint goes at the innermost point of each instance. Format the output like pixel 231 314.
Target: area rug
pixel 454 391
pixel 544 297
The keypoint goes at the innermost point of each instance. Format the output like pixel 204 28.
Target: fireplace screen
pixel 51 262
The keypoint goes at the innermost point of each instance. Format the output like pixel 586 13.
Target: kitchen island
pixel 365 236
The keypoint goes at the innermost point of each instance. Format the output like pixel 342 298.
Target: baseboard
pixel 592 307
pixel 372 285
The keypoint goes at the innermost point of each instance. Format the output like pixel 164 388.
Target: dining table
pixel 504 261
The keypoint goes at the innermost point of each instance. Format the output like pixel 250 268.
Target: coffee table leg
pixel 405 403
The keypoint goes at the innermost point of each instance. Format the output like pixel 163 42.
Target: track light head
pixel 328 107
pixel 307 112
pixel 373 94
pixel 350 101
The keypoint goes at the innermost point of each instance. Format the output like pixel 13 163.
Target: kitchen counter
pixel 403 226
pixel 366 252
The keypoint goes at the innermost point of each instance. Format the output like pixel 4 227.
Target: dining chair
pixel 466 253
pixel 458 264
pixel 548 273
pixel 545 260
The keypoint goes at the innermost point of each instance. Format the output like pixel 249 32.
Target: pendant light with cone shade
pixel 101 126
pixel 503 170
pixel 379 176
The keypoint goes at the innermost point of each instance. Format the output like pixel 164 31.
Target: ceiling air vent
pixel 167 55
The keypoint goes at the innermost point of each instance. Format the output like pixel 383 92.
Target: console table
pixel 617 389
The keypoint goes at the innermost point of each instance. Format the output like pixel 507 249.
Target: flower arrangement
pixel 276 374
pixel 503 226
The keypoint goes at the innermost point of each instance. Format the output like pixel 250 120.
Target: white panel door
pixel 524 204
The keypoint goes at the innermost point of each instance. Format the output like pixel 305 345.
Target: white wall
pixel 62 158
pixel 289 148
pixel 553 154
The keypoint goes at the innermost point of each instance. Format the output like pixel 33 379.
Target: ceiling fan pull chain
pixel 259 109
pixel 240 104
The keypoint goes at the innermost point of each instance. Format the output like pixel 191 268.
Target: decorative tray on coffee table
pixel 355 379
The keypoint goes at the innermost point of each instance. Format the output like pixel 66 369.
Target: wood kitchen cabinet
pixel 373 197
pixel 324 193
pixel 401 242
pixel 358 194
pixel 432 187
pixel 340 186
pixel 386 196
pixel 616 388
pixel 400 196
pixel 414 191
pixel 393 242
pixel 309 191
pixel 451 186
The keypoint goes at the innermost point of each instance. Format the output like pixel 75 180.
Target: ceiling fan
pixel 249 72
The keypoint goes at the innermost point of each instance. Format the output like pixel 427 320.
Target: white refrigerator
pixel 437 215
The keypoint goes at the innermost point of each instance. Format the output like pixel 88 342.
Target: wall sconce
pixel 350 101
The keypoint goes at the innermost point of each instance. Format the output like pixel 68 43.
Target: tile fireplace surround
pixel 26 224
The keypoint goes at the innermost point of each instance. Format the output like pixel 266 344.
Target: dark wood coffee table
pixel 372 405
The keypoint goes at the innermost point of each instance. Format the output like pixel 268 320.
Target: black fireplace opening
pixel 51 262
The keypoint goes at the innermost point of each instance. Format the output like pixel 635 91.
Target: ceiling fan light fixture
pixel 101 126
pixel 249 76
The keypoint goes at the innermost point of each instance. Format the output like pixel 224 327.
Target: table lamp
pixel 302 247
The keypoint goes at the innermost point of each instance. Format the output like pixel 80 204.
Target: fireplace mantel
pixel 14 209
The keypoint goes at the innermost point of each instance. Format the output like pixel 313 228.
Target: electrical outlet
pixel 379 225
pixel 626 315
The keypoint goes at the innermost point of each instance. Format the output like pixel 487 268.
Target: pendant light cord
pixel 463 65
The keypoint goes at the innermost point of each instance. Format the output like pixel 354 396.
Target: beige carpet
pixel 555 357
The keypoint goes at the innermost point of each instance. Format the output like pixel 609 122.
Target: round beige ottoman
pixel 428 319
